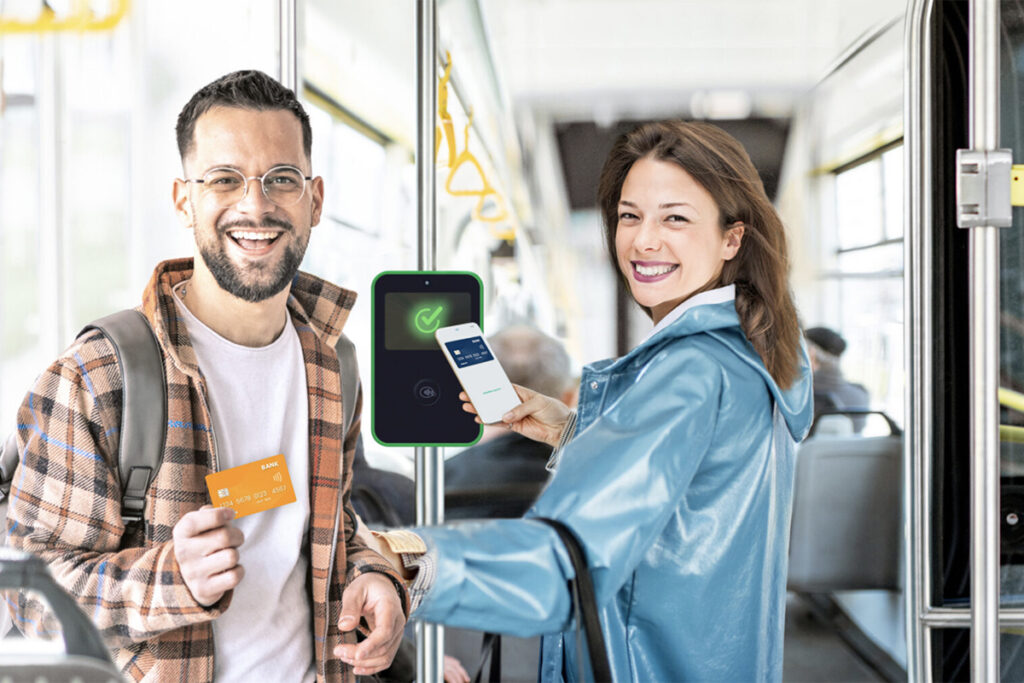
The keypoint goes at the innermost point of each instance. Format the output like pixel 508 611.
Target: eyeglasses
pixel 283 185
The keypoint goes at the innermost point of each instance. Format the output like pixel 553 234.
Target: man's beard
pixel 231 277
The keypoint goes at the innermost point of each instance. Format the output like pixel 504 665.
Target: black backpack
pixel 144 408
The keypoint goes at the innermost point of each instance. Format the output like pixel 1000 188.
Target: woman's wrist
pixel 568 431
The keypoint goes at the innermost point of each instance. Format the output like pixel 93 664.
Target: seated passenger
pixel 832 390
pixel 677 472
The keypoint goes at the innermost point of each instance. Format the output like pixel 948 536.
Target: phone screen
pixel 479 372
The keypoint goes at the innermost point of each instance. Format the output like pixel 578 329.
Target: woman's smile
pixel 652 271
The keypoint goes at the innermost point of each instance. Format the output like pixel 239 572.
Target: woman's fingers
pixel 524 393
pixel 466 405
pixel 531 406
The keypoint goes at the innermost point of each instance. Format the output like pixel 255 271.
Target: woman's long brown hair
pixel 760 269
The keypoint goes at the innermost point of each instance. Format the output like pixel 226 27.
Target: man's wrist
pixel 395 545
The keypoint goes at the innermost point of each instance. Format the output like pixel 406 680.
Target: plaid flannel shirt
pixel 66 500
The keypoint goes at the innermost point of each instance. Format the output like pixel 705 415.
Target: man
pixel 248 347
pixel 502 475
pixel 832 391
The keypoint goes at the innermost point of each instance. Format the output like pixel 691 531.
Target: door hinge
pixel 983 188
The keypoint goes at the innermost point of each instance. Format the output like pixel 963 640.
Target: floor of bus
pixel 814 651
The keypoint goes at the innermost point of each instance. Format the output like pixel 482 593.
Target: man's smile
pixel 254 240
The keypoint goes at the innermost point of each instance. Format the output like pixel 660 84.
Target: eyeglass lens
pixel 283 185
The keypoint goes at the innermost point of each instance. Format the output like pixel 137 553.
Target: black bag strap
pixel 584 601
pixel 490 645
pixel 143 405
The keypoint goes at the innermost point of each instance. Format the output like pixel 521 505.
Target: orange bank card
pixel 255 487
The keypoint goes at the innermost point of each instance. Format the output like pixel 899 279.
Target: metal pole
pixel 54 267
pixel 983 96
pixel 287 44
pixel 429 466
pixel 918 305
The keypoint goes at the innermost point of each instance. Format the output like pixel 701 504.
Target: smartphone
pixel 478 371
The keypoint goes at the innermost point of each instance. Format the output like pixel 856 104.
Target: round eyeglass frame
pixel 262 178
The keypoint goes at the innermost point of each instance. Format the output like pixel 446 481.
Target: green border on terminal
pixel 373 354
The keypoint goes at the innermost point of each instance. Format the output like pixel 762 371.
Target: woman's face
pixel 668 240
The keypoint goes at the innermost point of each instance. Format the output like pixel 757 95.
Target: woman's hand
pixel 538 417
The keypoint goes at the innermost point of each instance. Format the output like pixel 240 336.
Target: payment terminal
pixel 414 394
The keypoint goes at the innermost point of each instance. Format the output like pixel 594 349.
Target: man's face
pixel 252 246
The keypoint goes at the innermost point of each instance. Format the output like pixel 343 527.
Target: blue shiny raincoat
pixel 679 484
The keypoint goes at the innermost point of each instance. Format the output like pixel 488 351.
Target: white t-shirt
pixel 260 408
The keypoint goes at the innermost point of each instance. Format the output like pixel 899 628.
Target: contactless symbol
pixel 427 391
pixel 428 319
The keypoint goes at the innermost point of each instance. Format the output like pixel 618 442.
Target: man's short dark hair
pixel 248 89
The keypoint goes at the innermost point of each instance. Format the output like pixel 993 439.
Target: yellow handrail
pixel 1011 433
pixel 446 132
pixel 1011 399
pixel 81 19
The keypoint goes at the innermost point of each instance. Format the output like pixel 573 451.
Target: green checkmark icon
pixel 427 319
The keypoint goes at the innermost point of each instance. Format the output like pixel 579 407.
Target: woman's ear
pixel 733 240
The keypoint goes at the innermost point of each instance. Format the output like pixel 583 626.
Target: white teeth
pixel 239 235
pixel 652 270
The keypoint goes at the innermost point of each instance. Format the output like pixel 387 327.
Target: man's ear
pixel 316 186
pixel 182 205
pixel 733 240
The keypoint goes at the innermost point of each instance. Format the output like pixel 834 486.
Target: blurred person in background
pixel 502 474
pixel 832 391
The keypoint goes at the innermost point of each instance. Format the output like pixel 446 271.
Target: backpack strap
pixel 143 404
pixel 8 463
pixel 143 429
pixel 346 351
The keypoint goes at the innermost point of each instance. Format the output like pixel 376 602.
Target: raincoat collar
pixel 711 296
pixel 714 313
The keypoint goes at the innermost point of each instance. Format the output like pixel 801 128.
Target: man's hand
pixel 206 547
pixel 454 672
pixel 373 597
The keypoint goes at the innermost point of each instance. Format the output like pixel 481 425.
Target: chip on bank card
pixel 252 488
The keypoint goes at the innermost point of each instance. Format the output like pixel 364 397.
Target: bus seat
pixel 845 532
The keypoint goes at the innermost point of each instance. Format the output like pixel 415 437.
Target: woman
pixel 677 473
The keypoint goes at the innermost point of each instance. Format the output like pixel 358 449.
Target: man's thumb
pixel 351 608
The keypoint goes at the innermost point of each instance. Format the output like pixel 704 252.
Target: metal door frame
pixel 983 617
